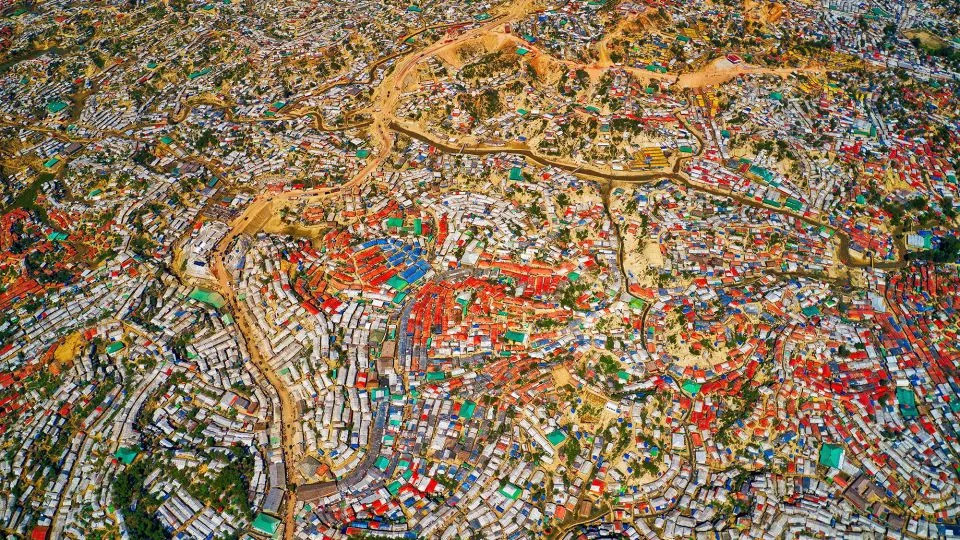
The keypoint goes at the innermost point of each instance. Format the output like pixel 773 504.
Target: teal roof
pixel 556 437
pixel 514 336
pixel 831 455
pixel 125 455
pixel 908 402
pixel 510 491
pixel 56 106
pixel 210 298
pixel 690 387
pixel 397 283
pixel 265 524
pixel 467 409
pixel 200 73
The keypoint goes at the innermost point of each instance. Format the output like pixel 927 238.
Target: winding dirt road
pixel 383 126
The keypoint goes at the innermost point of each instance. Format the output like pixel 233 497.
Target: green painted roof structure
pixel 397 283
pixel 211 298
pixel 125 455
pixel 831 455
pixel 556 437
pixel 467 409
pixel 265 524
pixel 514 336
pixel 908 403
pixel 510 491
pixel 690 387
pixel 56 106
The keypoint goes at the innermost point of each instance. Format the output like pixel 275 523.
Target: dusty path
pixel 383 126
pixel 644 178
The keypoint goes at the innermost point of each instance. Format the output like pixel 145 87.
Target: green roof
pixel 115 346
pixel 556 437
pixel 762 172
pixel 516 173
pixel 831 455
pixel 200 73
pixel 397 283
pixel 56 106
pixel 514 336
pixel 521 51
pixel 908 402
pixel 394 222
pixel 436 376
pixel 510 491
pixel 265 524
pixel 467 409
pixel 125 455
pixel 363 153
pixel 690 387
pixel 210 298
pixel 51 162
pixel 381 463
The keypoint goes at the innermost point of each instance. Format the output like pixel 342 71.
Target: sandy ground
pixel 69 350
pixel 638 264
pixel 722 70
pixel 927 38
pixel 561 376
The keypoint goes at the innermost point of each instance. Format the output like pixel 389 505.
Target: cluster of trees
pixel 131 498
pixel 947 251
pixel 743 404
